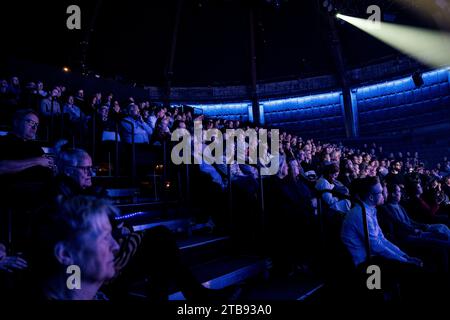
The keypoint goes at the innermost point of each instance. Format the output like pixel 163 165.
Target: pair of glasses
pixel 85 169
pixel 32 123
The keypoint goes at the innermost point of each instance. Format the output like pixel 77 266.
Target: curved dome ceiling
pixel 131 40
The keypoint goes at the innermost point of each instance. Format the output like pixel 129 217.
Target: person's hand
pixel 46 161
pixel 199 118
pixel 2 251
pixel 415 261
pixel 11 263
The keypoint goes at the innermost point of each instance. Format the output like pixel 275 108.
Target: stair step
pixel 300 287
pixel 146 206
pixel 175 225
pixel 198 241
pixel 199 249
pixel 227 271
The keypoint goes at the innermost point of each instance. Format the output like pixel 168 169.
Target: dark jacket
pixel 64 186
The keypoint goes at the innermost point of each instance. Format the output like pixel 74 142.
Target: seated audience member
pixel 14 91
pixel 72 111
pixel 434 194
pixel 30 96
pixel 24 169
pixel 328 182
pixel 81 102
pixel 50 105
pixel 382 170
pixel 75 173
pixel 300 192
pixel 77 232
pixel 446 186
pixel 347 173
pixel 244 182
pixel 158 114
pixel 395 176
pixel 115 112
pixel 142 131
pixel 352 234
pixel 4 94
pixel 421 210
pixel 40 89
pixel 97 126
pixel 23 164
pixel 75 167
pixel 400 229
pixel 162 131
pixel 20 156
pixel 390 258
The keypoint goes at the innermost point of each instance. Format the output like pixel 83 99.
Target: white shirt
pixel 152 121
pixel 333 202
pixel 352 234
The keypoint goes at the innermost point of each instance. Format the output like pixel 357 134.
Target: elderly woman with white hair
pixel 151 254
pixel 75 172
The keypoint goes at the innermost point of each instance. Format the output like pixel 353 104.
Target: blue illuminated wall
pixel 311 116
pixel 400 104
pixel 382 108
pixel 229 111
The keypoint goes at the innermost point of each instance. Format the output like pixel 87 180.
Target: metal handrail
pixel 94 136
pixel 116 148
pixel 230 195
pixel 261 199
pixel 133 152
pixel 52 121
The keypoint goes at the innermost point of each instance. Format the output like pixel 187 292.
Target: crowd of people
pixel 61 219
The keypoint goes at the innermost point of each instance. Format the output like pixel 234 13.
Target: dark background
pixel 131 39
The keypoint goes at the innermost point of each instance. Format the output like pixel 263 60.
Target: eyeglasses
pixel 85 169
pixel 32 123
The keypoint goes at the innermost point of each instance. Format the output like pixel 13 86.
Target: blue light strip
pixel 312 101
pixel 329 101
pixel 129 216
pixel 224 109
pixel 404 84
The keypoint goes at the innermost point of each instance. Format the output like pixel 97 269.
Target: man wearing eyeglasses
pixel 370 192
pixel 24 169
pixel 20 155
pixel 395 264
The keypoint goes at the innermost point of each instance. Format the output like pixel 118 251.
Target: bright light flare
pixel 428 46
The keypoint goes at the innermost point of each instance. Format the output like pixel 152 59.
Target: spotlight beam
pixel 430 47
